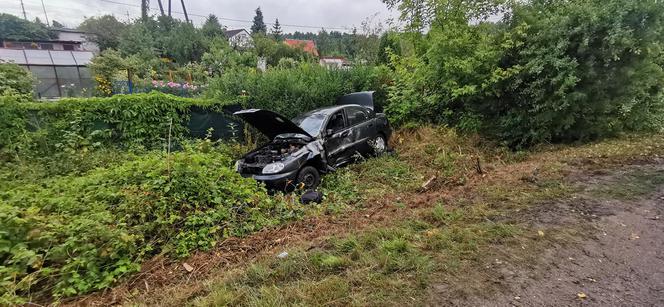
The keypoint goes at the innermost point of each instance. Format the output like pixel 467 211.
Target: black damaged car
pixel 314 143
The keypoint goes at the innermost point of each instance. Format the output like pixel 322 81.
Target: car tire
pixel 378 145
pixel 308 178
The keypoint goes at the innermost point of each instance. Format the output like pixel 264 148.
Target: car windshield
pixel 311 123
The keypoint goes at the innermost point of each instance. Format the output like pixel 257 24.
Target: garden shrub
pixel 121 121
pixel 12 125
pixel 550 71
pixel 15 79
pixel 72 234
pixel 292 91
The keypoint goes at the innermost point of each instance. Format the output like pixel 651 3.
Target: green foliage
pixel 106 30
pixel 12 125
pixel 588 69
pixel 276 31
pixel 15 79
pixel 259 26
pixel 291 91
pixel 72 234
pixel 551 71
pixel 182 42
pixel 273 51
pixel 14 28
pixel 212 28
pixel 71 125
pixel 222 58
pixel 138 39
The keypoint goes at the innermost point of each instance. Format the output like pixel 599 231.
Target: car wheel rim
pixel 308 180
pixel 379 145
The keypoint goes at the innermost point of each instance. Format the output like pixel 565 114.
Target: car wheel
pixel 308 178
pixel 378 145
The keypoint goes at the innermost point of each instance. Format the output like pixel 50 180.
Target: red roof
pixel 307 45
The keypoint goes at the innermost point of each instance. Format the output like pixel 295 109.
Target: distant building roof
pixel 69 30
pixel 231 33
pixel 307 45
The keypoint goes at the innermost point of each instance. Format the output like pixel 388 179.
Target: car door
pixel 338 139
pixel 361 127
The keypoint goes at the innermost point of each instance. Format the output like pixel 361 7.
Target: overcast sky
pixel 330 14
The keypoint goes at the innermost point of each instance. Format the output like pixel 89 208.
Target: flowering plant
pixel 175 88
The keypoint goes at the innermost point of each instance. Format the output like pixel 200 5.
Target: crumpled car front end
pixel 277 163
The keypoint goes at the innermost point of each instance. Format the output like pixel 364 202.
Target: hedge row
pixel 142 120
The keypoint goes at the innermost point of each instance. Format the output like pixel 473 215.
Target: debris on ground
pixel 282 255
pixel 311 197
pixel 427 185
pixel 187 267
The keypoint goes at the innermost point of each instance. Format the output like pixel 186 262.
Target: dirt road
pixel 617 259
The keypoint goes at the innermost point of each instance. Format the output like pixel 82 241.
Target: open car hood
pixel 269 123
pixel 365 99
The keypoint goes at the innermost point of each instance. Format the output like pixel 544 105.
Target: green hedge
pixel 138 121
pixel 292 91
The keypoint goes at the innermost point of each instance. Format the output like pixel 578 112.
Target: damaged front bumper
pixel 275 181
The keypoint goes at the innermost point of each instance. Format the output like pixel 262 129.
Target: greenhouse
pixel 59 73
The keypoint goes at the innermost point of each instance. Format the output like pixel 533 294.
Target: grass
pixel 417 238
pixel 396 264
pixel 382 266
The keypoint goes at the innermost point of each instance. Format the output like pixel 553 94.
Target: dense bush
pixel 550 71
pixel 73 234
pixel 15 79
pixel 127 121
pixel 291 91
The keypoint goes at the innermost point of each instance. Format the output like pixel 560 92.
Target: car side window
pixel 336 122
pixel 356 116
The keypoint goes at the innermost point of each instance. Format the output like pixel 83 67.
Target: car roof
pixel 328 110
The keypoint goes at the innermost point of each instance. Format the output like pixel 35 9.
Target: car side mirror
pixel 329 132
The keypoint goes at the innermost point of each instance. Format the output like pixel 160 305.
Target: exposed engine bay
pixel 280 150
pixel 272 152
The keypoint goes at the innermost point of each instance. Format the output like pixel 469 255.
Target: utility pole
pixel 44 8
pixel 161 7
pixel 23 8
pixel 186 17
pixel 169 8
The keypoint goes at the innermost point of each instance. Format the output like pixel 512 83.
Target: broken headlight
pixel 273 168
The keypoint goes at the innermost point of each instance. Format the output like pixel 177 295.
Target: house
pixel 334 62
pixel 307 45
pixel 78 36
pixel 239 38
pixel 59 65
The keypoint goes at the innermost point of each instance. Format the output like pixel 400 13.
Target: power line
pixel 235 20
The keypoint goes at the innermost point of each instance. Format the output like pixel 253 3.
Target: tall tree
pixel 276 30
pixel 14 28
pixel 259 25
pixel 212 27
pixel 138 39
pixel 104 30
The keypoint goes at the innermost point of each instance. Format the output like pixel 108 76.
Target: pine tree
pixel 259 25
pixel 212 27
pixel 276 30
